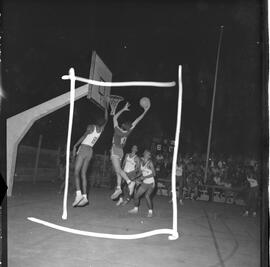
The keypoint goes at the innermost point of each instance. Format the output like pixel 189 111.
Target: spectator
pixel 227 172
pixel 159 163
pixel 252 193
pixel 193 181
pixel 179 181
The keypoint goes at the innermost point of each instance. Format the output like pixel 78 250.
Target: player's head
pixel 126 126
pixel 134 149
pixel 146 154
pixel 101 121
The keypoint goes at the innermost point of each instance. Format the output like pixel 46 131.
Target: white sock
pixel 118 187
pixel 136 208
pixel 85 196
pixel 78 193
pixel 150 211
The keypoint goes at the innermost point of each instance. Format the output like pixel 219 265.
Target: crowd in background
pixel 224 172
pixel 229 172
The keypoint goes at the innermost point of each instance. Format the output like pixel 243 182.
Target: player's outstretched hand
pixel 147 108
pixel 126 107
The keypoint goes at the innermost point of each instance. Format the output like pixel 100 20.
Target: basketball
pixel 145 102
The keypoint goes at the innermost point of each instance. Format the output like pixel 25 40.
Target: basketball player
pixel 84 155
pixel 131 167
pixel 179 180
pixel 119 140
pixel 147 186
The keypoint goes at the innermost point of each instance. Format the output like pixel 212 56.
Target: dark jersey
pixel 120 137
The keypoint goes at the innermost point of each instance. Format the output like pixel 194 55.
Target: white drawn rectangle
pixel 173 233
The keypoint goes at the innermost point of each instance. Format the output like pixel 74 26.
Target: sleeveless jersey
pixel 120 137
pixel 130 164
pixel 91 138
pixel 147 171
pixel 179 170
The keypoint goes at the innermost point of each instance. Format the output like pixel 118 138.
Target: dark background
pixel 147 41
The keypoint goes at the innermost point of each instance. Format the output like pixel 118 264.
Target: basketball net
pixel 114 101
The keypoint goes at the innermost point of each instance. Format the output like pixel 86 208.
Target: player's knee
pixel 83 176
pixel 118 171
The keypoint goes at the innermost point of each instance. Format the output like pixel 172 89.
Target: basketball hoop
pixel 114 101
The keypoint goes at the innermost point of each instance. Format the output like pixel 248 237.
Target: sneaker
pixel 116 193
pixel 133 211
pixel 245 213
pixel 83 203
pixel 149 214
pixel 77 200
pixel 181 202
pixel 120 201
pixel 254 214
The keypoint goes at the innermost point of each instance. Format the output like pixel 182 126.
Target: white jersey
pixel 179 170
pixel 91 138
pixel 253 182
pixel 147 171
pixel 130 164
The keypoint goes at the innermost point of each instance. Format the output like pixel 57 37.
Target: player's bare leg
pixel 120 174
pixel 84 181
pixel 78 165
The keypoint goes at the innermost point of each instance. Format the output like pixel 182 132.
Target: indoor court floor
pixel 211 234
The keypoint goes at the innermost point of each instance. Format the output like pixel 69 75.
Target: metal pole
pixel 37 158
pixel 213 105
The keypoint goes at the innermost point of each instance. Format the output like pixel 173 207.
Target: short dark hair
pixel 147 150
pixel 101 121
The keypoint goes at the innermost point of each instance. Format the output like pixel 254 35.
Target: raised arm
pixel 106 115
pixel 139 118
pixel 116 116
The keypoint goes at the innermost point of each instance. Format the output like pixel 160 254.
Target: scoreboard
pixel 164 146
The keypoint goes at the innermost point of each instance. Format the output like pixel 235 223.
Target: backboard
pixel 99 72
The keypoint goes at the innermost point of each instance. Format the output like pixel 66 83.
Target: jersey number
pixel 123 140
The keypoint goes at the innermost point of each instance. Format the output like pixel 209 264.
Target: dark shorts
pixel 147 187
pixel 85 152
pixel 180 180
pixel 132 175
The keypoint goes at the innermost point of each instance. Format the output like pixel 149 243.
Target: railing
pixel 216 193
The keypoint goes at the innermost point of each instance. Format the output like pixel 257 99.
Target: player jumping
pixel 119 140
pixel 84 155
